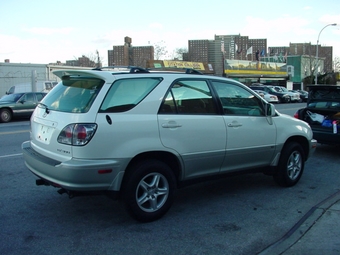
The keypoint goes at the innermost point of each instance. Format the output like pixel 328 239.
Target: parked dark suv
pixel 283 97
pixel 323 113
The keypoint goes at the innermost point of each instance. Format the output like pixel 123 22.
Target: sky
pixel 45 31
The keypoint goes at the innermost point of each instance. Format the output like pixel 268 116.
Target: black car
pixel 283 97
pixel 323 113
pixel 19 105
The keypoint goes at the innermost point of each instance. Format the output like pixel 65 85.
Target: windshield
pixel 272 89
pixel 73 94
pixel 11 97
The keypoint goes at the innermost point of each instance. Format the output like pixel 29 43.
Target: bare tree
pixel 178 53
pixel 96 59
pixel 336 64
pixel 160 50
pixel 90 60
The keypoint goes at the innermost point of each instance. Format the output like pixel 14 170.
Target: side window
pixel 189 97
pixel 39 96
pixel 237 100
pixel 29 97
pixel 127 93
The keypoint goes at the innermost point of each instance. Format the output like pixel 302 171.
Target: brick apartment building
pixel 130 55
pixel 224 47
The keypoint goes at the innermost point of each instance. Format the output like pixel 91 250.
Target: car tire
pixel 5 115
pixel 148 190
pixel 291 165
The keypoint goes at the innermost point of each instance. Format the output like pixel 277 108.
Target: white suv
pixel 140 135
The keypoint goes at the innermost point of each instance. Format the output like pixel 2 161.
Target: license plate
pixel 44 133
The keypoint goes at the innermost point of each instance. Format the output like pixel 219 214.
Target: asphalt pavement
pixel 317 232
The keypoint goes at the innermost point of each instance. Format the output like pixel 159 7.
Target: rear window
pixel 125 94
pixel 74 94
pixel 325 94
pixel 324 98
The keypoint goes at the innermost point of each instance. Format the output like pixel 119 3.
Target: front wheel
pixel 148 190
pixel 291 164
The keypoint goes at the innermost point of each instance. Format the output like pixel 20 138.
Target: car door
pixel 190 126
pixel 25 106
pixel 251 136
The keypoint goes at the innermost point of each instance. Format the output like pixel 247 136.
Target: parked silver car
pixel 138 135
pixel 268 97
pixel 294 96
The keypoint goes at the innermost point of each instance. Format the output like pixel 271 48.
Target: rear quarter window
pixel 125 94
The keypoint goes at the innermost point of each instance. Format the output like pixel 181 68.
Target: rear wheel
pixel 5 115
pixel 290 166
pixel 148 190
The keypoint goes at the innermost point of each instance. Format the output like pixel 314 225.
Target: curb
pixel 304 225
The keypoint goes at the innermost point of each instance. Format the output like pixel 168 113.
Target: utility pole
pixel 317 53
pixel 98 59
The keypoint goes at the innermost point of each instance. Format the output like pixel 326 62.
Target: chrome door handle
pixel 234 125
pixel 171 125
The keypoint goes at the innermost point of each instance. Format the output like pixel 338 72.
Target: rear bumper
pixel 75 174
pixel 326 137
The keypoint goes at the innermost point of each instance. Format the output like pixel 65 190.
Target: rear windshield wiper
pixel 46 107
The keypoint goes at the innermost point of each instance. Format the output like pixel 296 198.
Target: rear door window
pixel 189 97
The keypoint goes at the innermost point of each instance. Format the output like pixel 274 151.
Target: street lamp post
pixel 317 52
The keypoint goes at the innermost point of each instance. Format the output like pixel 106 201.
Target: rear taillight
pixel 296 115
pixel 77 134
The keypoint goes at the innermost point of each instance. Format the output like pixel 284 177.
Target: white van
pixel 41 86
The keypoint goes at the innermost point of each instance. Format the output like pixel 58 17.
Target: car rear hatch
pixel 65 118
pixel 323 112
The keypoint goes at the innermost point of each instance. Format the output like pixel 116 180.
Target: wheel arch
pixel 303 142
pixel 168 158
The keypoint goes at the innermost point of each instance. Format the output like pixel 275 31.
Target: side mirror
pixel 270 110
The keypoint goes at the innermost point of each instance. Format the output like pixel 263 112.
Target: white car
pixel 268 97
pixel 138 135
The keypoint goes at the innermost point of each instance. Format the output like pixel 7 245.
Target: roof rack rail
pixel 131 69
pixel 174 69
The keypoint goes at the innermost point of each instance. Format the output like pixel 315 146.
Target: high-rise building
pixel 225 47
pixel 197 51
pixel 119 56
pixel 127 54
